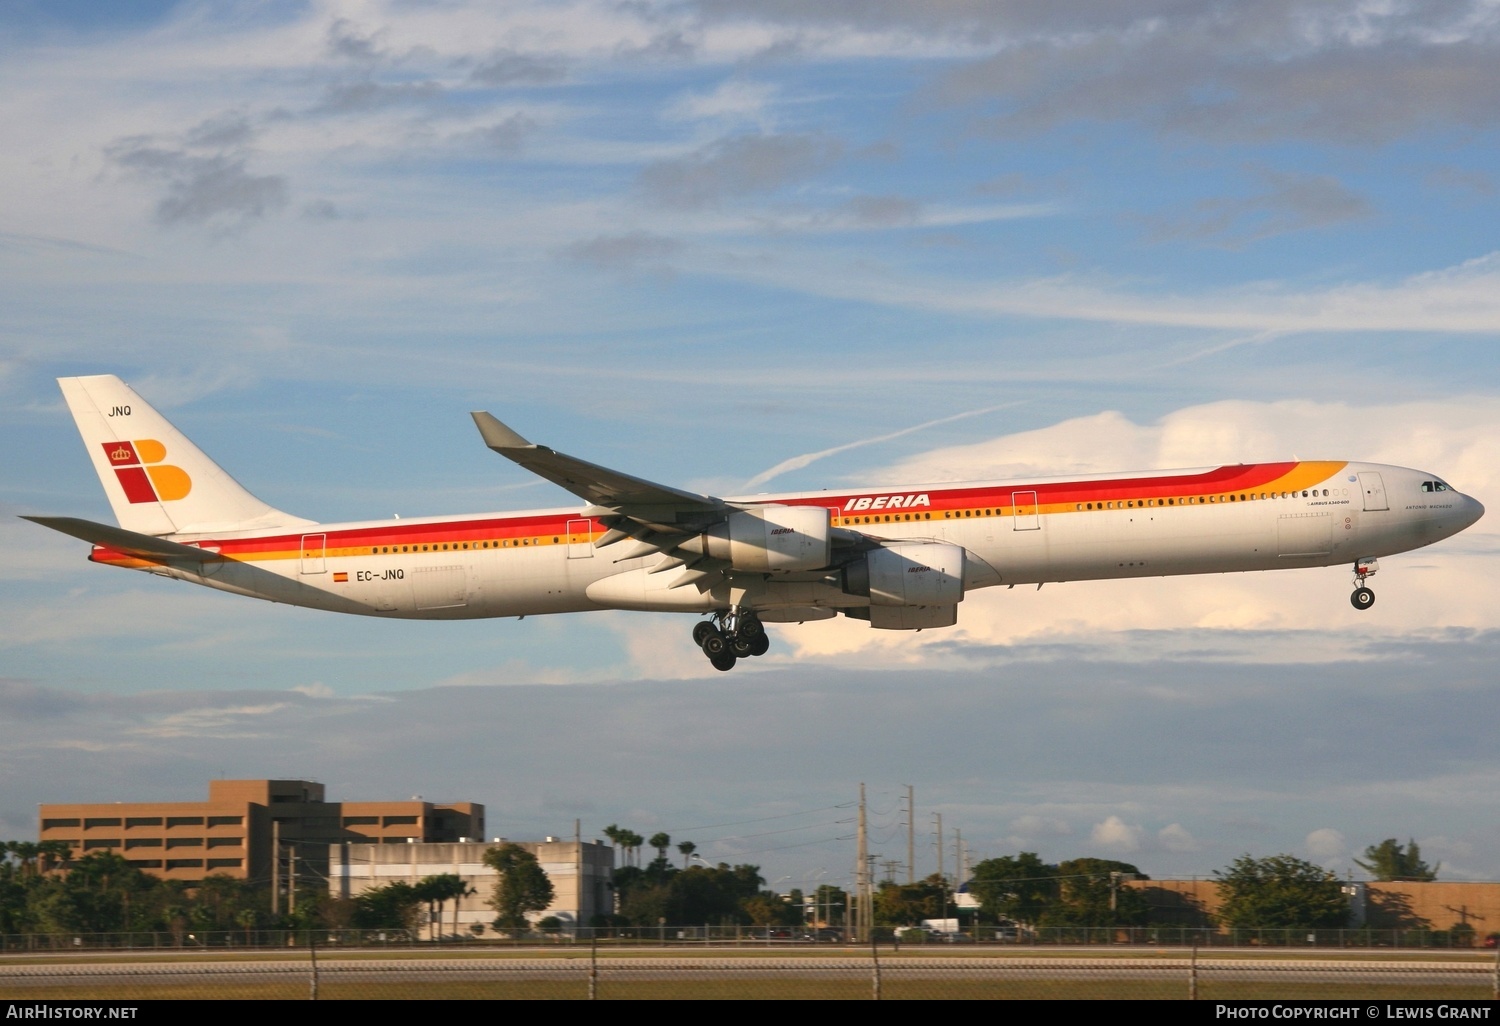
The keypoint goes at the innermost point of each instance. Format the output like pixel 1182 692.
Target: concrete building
pixel 580 873
pixel 234 831
pixel 1438 905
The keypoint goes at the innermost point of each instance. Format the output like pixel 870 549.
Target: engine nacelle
pixel 768 538
pixel 910 574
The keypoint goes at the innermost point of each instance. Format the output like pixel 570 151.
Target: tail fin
pixel 157 481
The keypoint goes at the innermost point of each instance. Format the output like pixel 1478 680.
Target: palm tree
pixel 661 842
pixel 439 890
pixel 26 852
pixel 633 842
pixel 461 892
pixel 687 848
pixel 615 834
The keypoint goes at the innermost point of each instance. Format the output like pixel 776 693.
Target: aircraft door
pixel 580 540
pixel 1374 489
pixel 1023 507
pixel 313 561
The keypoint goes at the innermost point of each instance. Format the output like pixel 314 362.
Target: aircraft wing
pixel 660 519
pixel 657 518
pixel 620 493
pixel 129 542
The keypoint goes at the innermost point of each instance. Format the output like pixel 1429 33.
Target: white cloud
pixel 735 101
pixel 1460 299
pixel 1326 843
pixel 1116 835
pixel 1175 837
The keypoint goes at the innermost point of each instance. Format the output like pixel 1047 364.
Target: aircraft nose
pixel 1473 510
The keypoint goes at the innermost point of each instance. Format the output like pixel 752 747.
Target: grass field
pixel 736 974
pixel 747 988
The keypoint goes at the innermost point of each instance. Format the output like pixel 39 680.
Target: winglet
pixel 496 435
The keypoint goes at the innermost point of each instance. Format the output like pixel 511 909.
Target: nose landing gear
pixel 1363 597
pixel 731 636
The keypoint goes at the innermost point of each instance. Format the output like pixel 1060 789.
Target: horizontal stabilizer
pixel 129 542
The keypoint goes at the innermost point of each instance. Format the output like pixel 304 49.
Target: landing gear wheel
pixel 723 661
pixel 750 627
pixel 1363 598
pixel 760 644
pixel 702 631
pixel 742 646
pixel 716 645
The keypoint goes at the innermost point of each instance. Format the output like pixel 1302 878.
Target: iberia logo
pixel 142 473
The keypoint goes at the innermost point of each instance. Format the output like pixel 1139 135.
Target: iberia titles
pixel 887 502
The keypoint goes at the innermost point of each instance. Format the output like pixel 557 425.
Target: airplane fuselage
pixel 1226 519
pixel 900 558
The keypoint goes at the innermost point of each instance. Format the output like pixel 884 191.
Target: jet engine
pixel 768 538
pixel 911 585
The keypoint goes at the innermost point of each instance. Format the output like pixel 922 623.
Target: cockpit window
pixel 1434 486
pixel 1427 486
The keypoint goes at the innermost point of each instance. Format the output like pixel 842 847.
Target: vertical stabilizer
pixel 157 481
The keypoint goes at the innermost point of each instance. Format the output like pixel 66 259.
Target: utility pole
pixel 942 861
pixel 275 867
pixel 911 835
pixel 862 872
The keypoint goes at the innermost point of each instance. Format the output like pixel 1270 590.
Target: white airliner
pixel 900 558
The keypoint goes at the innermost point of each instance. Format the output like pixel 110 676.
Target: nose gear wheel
pixel 1363 598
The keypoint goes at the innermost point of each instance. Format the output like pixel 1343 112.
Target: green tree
pixel 103 893
pixel 523 886
pixel 909 904
pixel 1020 887
pixel 1391 861
pixel 699 894
pixel 632 842
pixel 1091 893
pixel 768 909
pixel 1280 891
pixel 829 903
pixel 687 848
pixel 661 841
pixel 437 891
pixel 395 906
pixel 615 833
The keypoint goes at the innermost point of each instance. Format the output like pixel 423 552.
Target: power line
pixel 803 844
pixel 768 833
pixel 764 819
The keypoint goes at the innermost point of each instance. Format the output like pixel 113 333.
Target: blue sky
pixel 694 241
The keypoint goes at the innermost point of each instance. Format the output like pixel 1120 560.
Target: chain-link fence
pixel 757 936
pixel 589 973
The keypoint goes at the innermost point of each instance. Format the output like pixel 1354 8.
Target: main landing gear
pixel 731 636
pixel 1363 597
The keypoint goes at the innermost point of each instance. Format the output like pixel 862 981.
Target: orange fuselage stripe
pixel 1244 482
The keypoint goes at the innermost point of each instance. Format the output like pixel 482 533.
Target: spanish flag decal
pixel 340 578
